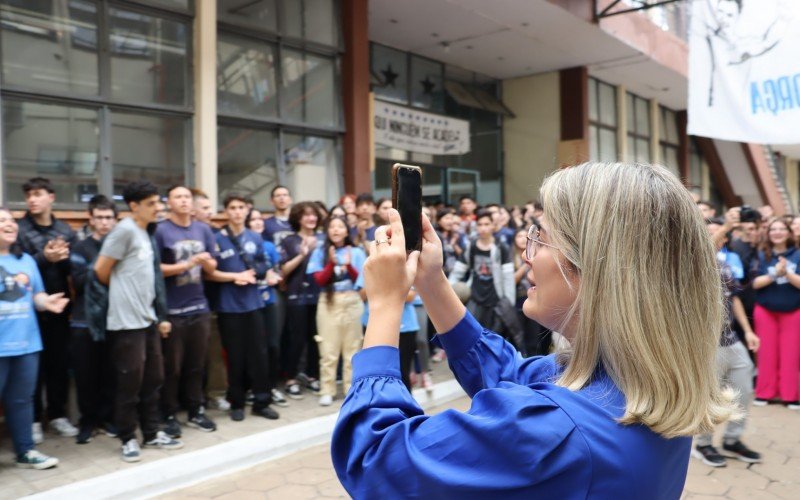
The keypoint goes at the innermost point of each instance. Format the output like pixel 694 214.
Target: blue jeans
pixel 17 384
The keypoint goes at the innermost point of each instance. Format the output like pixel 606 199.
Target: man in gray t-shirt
pixel 132 288
pixel 136 300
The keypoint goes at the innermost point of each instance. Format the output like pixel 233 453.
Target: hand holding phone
pixel 407 199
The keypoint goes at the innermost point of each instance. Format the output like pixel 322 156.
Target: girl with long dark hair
pixel 335 267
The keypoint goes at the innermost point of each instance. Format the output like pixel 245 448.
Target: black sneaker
pixel 237 414
pixel 249 399
pixel 110 430
pixel 741 452
pixel 313 385
pixel 266 412
pixel 171 427
pixel 85 434
pixel 201 422
pixel 294 391
pixel 709 455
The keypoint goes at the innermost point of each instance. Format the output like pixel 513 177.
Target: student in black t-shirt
pixel 491 273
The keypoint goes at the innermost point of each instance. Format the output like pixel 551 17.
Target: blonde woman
pixel 611 418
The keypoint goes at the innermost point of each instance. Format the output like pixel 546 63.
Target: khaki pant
pixel 339 328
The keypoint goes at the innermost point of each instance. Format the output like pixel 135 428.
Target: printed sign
pixel 744 70
pixel 419 132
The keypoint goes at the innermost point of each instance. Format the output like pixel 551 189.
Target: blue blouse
pixel 523 437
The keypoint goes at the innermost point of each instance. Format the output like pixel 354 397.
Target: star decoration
pixel 389 76
pixel 427 85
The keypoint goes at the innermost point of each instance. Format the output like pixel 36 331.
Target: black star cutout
pixel 389 76
pixel 427 85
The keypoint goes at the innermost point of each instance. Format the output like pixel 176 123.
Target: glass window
pixel 148 147
pixel 258 14
pixel 608 104
pixel 50 45
pixel 426 84
pixel 149 58
pixel 247 163
pixel 320 21
pixel 642 150
pixel 630 113
pixel 292 18
pixel 669 126
pixel 642 116
pixel 246 82
pixel 310 157
pixel 608 145
pixel 54 141
pixel 308 89
pixel 669 158
pixel 594 143
pixel 593 101
pixel 391 66
pixel 169 4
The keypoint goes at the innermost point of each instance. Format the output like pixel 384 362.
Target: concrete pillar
pixel 205 98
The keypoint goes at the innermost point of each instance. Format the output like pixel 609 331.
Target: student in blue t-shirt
pixel 266 288
pixel 409 326
pixel 335 266
pixel 240 264
pixel 21 295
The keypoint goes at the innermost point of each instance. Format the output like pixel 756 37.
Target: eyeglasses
pixel 534 242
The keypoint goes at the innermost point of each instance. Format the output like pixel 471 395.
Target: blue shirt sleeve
pixel 357 259
pixel 272 253
pixel 513 442
pixel 481 359
pixel 315 261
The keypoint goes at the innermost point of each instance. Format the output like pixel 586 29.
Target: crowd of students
pixel 758 256
pixel 126 307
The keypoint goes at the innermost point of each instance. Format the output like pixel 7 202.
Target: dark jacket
pixel 96 296
pixel 82 259
pixel 33 238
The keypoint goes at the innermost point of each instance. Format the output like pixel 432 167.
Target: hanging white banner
pixel 744 70
pixel 419 132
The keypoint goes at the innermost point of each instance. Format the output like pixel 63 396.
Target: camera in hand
pixel 749 214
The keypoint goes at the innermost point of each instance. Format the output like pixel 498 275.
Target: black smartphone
pixel 407 199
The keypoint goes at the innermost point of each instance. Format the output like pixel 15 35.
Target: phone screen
pixel 407 199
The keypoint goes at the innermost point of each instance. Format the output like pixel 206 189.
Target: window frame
pixel 635 134
pixel 596 125
pixel 105 104
pixel 663 141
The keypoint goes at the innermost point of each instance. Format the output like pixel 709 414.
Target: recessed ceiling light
pixel 500 58
pixel 435 35
pixel 393 21
pixel 525 25
pixel 469 47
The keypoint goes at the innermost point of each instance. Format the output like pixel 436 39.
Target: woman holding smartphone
pixel 612 417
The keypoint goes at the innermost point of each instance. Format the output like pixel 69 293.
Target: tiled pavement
pixel 102 455
pixel 774 431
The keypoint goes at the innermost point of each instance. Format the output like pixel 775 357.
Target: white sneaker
pixel 63 427
pixel 36 460
pixel 131 451
pixel 222 403
pixel 325 400
pixel 165 442
pixel 427 382
pixel 37 434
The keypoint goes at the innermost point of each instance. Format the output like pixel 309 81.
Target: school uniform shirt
pixel 272 259
pixel 276 229
pixel 408 322
pixel 523 436
pixel 20 280
pixel 341 278
pixel 177 244
pixel 234 298
pixel 301 289
pixel 779 296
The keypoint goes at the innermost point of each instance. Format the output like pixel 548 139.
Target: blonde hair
pixel 649 305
